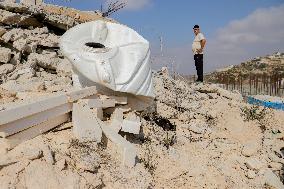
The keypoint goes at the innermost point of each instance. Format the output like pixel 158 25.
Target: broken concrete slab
pixel 131 124
pixel 119 145
pixel 26 110
pixel 32 120
pixel 86 125
pixel 77 94
pixel 5 55
pixel 13 140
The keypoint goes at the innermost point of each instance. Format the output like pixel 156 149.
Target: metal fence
pixel 250 84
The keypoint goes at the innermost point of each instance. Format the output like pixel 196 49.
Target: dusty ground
pixel 199 136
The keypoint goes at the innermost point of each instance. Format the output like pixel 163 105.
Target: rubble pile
pixel 30 58
pixel 193 136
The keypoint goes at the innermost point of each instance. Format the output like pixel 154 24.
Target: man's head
pixel 196 29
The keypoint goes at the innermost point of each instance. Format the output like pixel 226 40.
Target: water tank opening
pixel 95 45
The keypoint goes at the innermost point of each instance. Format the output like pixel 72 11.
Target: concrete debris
pixel 86 125
pixel 6 68
pixel 251 174
pixel 32 154
pixel 48 61
pixel 2 31
pixel 61 164
pixel 48 154
pixel 253 164
pixel 5 54
pixel 116 119
pixel 131 123
pixel 272 180
pixel 193 133
pixel 250 149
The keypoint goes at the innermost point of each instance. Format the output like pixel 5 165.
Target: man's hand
pixel 199 51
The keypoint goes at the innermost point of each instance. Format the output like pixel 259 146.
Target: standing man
pixel 197 49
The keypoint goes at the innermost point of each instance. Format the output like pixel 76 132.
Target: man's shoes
pixel 199 81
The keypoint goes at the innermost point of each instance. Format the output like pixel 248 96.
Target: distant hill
pixel 268 65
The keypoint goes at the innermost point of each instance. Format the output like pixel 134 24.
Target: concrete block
pixel 126 151
pixel 86 125
pixel 99 113
pixel 26 110
pixel 32 120
pixel 81 93
pixel 131 124
pixel 12 141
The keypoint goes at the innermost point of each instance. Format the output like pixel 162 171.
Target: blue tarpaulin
pixel 268 104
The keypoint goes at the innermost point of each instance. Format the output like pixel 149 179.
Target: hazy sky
pixel 235 30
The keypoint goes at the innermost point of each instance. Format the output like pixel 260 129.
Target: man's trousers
pixel 198 58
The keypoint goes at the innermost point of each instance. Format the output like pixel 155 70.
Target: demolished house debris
pixel 24 122
pixel 55 134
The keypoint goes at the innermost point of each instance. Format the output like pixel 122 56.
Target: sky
pixel 235 30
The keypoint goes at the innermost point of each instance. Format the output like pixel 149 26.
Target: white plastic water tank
pixel 111 55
